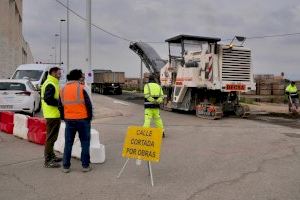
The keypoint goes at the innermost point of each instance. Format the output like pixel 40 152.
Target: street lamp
pixel 68 40
pixel 56 35
pixel 51 58
pixel 61 20
pixel 54 53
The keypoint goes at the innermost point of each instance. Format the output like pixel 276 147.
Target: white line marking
pixel 121 102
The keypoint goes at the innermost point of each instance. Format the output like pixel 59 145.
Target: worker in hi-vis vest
pixel 49 97
pixel 76 110
pixel 154 96
pixel 292 91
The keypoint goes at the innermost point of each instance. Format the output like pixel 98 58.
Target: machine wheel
pixel 104 91
pixel 119 92
pixel 242 111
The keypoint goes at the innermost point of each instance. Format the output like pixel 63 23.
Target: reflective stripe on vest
pixel 73 101
pixel 78 100
pixel 48 110
pixel 150 95
pixel 291 89
pixel 158 94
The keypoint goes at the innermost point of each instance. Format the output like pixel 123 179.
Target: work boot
pixel 66 170
pixel 86 169
pixel 51 164
pixel 56 159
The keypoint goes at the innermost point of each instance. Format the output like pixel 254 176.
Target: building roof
pixel 179 38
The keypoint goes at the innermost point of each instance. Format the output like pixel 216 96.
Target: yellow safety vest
pixel 50 111
pixel 292 90
pixel 153 95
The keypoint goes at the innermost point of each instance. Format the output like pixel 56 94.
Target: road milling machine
pixel 201 75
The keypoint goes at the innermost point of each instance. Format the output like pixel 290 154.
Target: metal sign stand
pixel 149 169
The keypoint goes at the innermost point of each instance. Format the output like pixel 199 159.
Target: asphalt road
pixel 228 159
pixel 272 118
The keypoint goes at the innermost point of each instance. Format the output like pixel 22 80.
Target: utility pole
pixel 89 43
pixel 68 40
pixel 141 76
pixel 56 35
pixel 62 20
pixel 54 54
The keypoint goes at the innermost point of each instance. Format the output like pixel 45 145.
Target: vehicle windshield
pixel 198 46
pixel 12 86
pixel 32 75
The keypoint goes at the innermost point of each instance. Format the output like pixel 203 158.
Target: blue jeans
pixel 83 127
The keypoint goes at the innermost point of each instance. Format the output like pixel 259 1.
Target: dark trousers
pixel 83 127
pixel 53 126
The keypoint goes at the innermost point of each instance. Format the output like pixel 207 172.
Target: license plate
pixel 235 87
pixel 6 106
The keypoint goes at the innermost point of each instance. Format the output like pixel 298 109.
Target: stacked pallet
pixel 131 83
pixel 271 88
pixel 297 84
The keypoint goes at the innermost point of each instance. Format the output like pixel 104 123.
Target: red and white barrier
pixel 7 122
pixel 20 126
pixel 37 130
pixel 34 130
pixel 97 150
pixel 60 142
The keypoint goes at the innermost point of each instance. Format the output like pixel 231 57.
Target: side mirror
pixel 37 87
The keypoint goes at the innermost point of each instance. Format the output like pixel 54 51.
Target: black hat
pixel 74 75
pixel 151 78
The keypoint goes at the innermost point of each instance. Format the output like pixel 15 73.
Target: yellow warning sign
pixel 142 143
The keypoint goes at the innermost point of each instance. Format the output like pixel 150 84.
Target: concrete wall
pixel 14 50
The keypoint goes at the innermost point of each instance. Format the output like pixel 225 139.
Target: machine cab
pixel 183 47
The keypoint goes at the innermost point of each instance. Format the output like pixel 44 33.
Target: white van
pixel 36 73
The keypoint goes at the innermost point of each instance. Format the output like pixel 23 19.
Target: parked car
pixel 36 73
pixel 19 95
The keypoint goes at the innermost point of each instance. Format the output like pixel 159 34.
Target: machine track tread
pixel 206 111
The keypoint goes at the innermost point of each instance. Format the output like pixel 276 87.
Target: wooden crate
pixel 278 92
pixel 263 76
pixel 276 86
pixel 266 100
pixel 251 92
pixel 297 84
pixel 279 99
pixel 265 87
pixel 265 92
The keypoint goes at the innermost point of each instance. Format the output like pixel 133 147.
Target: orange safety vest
pixel 73 101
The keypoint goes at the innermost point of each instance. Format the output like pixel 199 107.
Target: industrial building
pixel 14 50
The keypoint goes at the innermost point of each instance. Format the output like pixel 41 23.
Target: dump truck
pixel 108 82
pixel 201 74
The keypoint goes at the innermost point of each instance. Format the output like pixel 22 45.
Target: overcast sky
pixel 157 20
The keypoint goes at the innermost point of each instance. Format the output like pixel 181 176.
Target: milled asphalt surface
pixel 225 159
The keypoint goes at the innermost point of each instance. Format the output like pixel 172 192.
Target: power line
pixel 252 37
pixel 160 42
pixel 269 36
pixel 96 26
